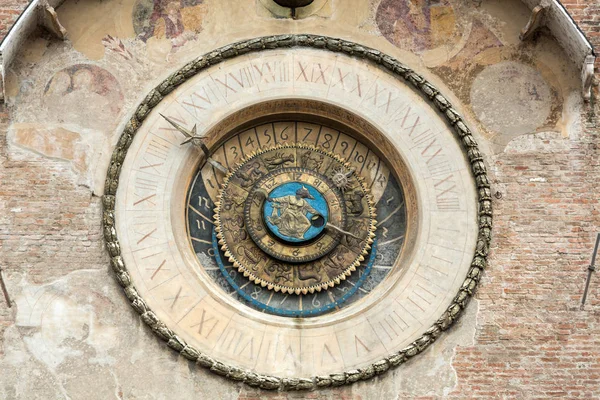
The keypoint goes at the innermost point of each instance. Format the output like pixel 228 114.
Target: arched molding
pixel 38 13
pixel 553 15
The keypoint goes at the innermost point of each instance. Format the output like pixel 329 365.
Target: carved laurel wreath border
pixel 386 62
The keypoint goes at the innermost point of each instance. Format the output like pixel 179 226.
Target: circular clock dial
pixel 313 151
pixel 295 223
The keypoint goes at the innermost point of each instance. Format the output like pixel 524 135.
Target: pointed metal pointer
pixel 198 141
pixel 339 230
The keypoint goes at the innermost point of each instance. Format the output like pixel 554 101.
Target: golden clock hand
pixel 340 230
pixel 318 222
pixel 198 141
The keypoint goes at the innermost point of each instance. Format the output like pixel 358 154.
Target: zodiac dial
pixel 295 218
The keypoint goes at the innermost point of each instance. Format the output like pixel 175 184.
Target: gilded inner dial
pixel 309 218
pixel 289 176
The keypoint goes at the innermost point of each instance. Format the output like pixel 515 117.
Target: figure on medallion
pixel 289 213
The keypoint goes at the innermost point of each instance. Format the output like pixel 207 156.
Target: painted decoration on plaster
pixel 481 43
pixel 511 98
pixel 418 25
pixel 179 21
pixel 509 94
pixel 116 45
pixel 84 94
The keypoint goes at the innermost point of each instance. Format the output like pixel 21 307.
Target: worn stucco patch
pixel 76 338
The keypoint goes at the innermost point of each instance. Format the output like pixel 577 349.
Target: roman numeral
pixel 231 341
pixel 210 323
pixel 158 269
pixel 382 98
pixel 200 100
pixel 243 79
pixel 316 72
pixel 446 195
pixel 327 356
pixel 290 355
pixel 146 235
pixel 144 186
pixel 391 327
pixel 268 72
pixel 178 296
pixel 153 165
pixel 421 297
pixel 159 148
pixel 361 347
pixel 145 199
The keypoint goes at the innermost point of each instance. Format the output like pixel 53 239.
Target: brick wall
pixel 587 15
pixel 9 12
pixel 532 340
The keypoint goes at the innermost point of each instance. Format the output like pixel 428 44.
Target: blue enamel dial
pixel 292 194
pixel 377 264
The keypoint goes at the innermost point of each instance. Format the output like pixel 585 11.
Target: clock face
pixel 273 247
pixel 326 223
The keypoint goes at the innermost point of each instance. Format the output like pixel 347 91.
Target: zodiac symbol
pixel 335 261
pixel 354 201
pixel 229 203
pixel 235 226
pixel 358 227
pixel 312 162
pixel 341 178
pixel 280 272
pixel 278 160
pixel 311 271
pixel 253 255
pixel 251 174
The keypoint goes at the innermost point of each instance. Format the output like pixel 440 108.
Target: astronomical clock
pixel 297 212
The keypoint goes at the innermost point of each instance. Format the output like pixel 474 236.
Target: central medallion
pixel 295 212
pixel 292 214
pixel 286 225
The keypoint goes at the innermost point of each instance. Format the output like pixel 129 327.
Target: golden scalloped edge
pixel 286 289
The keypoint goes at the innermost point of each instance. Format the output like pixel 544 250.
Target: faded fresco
pixel 417 25
pixel 83 89
pixel 511 86
pixel 176 20
pixel 98 27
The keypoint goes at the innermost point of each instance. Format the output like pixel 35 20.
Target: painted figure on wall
pixel 417 25
pixel 85 94
pixel 176 20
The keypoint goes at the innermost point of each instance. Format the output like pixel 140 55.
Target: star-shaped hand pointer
pixel 198 141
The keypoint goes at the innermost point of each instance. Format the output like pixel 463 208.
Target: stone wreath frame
pixel 334 45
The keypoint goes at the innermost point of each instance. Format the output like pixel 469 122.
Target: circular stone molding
pixel 478 241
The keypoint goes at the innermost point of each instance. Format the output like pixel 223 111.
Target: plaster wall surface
pixel 70 332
